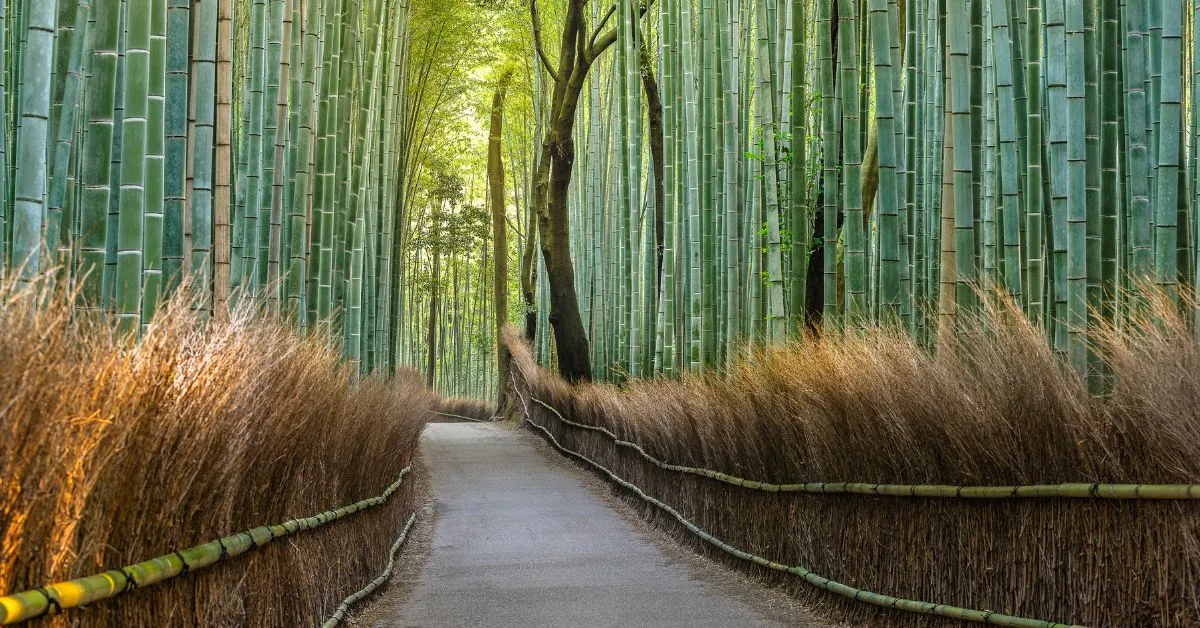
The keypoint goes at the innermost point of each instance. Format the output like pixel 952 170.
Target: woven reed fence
pixel 1076 554
pixel 63 596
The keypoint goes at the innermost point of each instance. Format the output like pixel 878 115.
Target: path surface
pixel 522 538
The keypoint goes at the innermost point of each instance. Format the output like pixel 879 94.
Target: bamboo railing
pixel 74 593
pixel 362 593
pixel 1075 490
pixel 844 590
pixel 460 417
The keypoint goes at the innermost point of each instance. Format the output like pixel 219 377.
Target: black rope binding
pixel 186 567
pixel 224 550
pixel 131 582
pixel 51 603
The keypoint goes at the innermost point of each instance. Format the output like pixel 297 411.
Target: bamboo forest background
pixel 275 154
pixel 834 164
pixel 745 169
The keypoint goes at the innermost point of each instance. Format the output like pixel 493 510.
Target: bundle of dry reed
pixel 116 452
pixel 461 409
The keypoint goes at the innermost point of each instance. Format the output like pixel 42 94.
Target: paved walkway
pixel 521 538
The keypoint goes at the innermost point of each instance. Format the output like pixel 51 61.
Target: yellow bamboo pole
pixel 59 597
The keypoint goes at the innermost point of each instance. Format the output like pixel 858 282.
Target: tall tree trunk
pixel 529 276
pixel 571 341
pixel 654 104
pixel 499 234
pixel 577 54
pixel 431 364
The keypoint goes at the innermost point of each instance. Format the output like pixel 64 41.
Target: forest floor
pixel 521 537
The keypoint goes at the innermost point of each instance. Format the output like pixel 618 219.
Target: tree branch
pixel 599 45
pixel 537 41
pixel 607 16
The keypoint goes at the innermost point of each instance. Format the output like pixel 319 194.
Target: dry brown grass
pixel 875 408
pixel 452 410
pixel 114 453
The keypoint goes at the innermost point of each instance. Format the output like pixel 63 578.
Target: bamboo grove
pixel 750 168
pixel 250 150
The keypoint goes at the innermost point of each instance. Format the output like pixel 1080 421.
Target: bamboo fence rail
pixel 362 593
pixel 1076 490
pixel 459 416
pixel 59 597
pixel 844 590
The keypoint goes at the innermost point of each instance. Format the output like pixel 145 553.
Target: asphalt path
pixel 520 537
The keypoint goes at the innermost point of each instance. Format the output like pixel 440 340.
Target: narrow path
pixel 522 538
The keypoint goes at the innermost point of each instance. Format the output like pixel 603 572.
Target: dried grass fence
pixel 459 409
pixel 115 452
pixel 878 410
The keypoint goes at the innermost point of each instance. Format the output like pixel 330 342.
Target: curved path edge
pixel 524 538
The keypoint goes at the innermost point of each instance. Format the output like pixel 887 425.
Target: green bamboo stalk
pixel 155 168
pixel 696 356
pixel 731 188
pixel 910 129
pixel 202 194
pixel 270 214
pixel 341 189
pixel 176 128
pixel 830 164
pixel 299 300
pixel 708 102
pixel 323 192
pixel 665 362
pixel 982 208
pixel 1141 217
pixel 4 198
pixel 1112 153
pixel 96 168
pixel 1170 108
pixel 799 222
pixel 935 118
pixel 64 125
pixel 1092 167
pixel 256 108
pixel 1011 207
pixel 885 119
pixel 1034 271
pixel 33 111
pixel 134 145
pixel 776 317
pixel 222 164
pixel 1076 219
pixel 112 233
pixel 916 90
pixel 1058 124
pixel 856 269
pixel 958 31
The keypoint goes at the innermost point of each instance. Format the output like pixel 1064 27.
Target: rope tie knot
pixel 186 567
pixel 131 583
pixel 52 604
